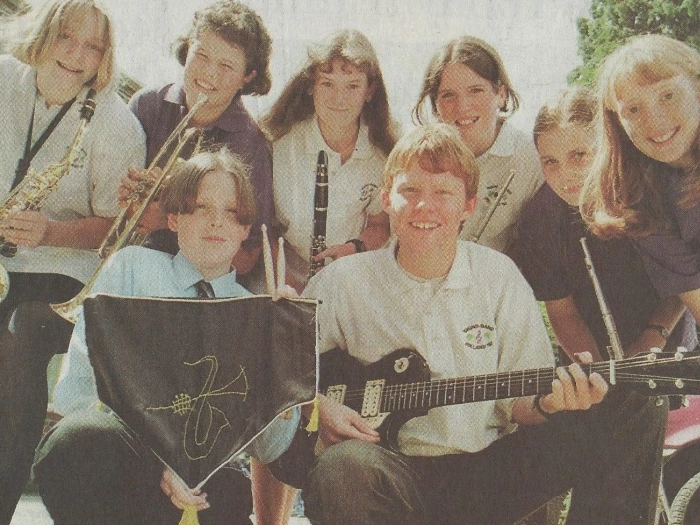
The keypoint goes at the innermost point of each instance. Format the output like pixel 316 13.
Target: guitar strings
pixel 545 376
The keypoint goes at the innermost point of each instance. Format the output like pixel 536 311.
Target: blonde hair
pixel 478 56
pixel 437 148
pixel 33 33
pixel 296 102
pixel 622 195
pixel 575 105
pixel 179 195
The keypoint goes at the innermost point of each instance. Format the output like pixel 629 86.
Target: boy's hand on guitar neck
pixel 338 423
pixel 573 390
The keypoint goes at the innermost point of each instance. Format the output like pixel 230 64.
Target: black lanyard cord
pixel 29 150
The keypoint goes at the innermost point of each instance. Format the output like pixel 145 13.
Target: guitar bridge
pixel 372 398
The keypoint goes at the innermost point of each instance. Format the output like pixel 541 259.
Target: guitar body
pixel 341 374
pixel 397 388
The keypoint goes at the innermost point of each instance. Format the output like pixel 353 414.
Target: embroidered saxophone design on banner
pixel 204 421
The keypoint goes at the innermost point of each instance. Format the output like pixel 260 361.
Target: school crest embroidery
pixel 478 336
pixel 367 191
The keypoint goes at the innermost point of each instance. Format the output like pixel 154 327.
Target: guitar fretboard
pixel 444 392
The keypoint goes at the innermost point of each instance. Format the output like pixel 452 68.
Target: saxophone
pixel 30 194
pixel 122 232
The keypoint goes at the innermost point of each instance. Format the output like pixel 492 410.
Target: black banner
pixel 197 380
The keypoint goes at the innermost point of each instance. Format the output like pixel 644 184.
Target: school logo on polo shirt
pixel 367 191
pixel 478 336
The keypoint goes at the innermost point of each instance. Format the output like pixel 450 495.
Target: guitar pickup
pixel 336 393
pixel 372 399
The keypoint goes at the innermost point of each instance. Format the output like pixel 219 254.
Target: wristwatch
pixel 661 329
pixel 359 245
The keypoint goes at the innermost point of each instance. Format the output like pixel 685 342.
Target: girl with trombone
pixel 225 55
pixel 58 52
pixel 336 103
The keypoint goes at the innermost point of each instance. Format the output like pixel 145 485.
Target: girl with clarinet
pixel 336 103
pixel 645 182
pixel 466 85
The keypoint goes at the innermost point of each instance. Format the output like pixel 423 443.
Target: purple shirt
pixel 672 256
pixel 160 110
pixel 551 258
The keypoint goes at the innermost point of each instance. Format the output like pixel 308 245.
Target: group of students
pixel 627 154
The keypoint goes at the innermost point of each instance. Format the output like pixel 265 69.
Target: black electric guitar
pixel 398 387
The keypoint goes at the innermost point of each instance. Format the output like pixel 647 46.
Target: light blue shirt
pixel 141 272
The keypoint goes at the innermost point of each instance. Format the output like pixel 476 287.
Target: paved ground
pixel 31 511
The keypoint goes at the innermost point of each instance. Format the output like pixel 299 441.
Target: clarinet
pixel 615 348
pixel 318 237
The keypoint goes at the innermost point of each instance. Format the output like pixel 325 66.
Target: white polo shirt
pixel 482 319
pixel 512 149
pixel 353 190
pixel 114 142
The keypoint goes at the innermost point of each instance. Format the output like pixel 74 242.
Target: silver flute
pixel 615 348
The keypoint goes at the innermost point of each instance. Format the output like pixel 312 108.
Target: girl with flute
pixel 57 53
pixel 337 103
pixel 466 84
pixel 645 182
pixel 552 260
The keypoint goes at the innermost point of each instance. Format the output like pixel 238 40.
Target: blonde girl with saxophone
pixel 58 52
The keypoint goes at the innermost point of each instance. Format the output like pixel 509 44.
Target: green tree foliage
pixel 612 22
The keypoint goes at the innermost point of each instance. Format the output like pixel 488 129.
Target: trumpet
pixel 492 208
pixel 32 192
pixel 122 231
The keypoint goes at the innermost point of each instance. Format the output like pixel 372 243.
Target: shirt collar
pixel 230 120
pixel 187 276
pixel 504 145
pixel 314 141
pixel 458 277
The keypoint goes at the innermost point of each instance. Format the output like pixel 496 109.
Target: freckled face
pixel 211 235
pixel 426 209
pixel 216 68
pixel 565 155
pixel 340 95
pixel 75 56
pixel 471 103
pixel 662 119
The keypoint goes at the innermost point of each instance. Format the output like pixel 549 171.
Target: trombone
pixel 122 231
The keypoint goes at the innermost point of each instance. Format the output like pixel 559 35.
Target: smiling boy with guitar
pixel 466 311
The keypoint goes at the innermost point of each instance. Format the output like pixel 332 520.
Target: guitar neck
pixel 460 390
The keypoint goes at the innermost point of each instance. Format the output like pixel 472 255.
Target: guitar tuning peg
pixel 685 402
pixel 681 349
pixel 655 350
pixel 678 356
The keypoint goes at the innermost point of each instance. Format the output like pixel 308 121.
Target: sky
pixel 537 40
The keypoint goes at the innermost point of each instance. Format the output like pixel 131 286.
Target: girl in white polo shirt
pixel 60 51
pixel 337 103
pixel 466 85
